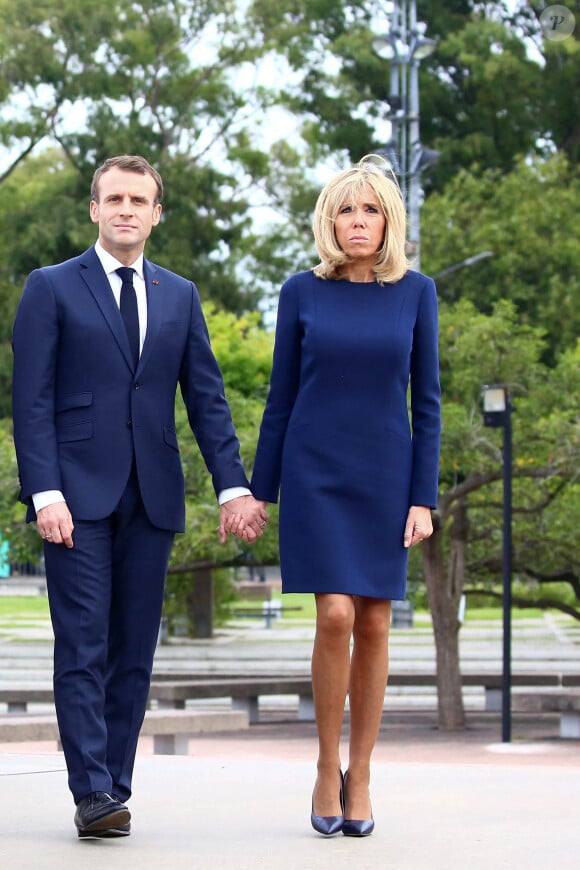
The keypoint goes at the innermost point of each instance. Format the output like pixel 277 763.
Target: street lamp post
pixel 405 46
pixel 497 411
pixel 469 261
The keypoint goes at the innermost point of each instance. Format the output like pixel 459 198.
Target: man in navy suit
pixel 93 403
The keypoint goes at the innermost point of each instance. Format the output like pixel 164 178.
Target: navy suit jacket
pixel 82 413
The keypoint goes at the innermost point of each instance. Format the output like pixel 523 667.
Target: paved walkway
pixel 442 801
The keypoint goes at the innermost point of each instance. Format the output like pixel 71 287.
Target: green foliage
pixel 243 349
pixel 245 355
pixel 497 348
pixel 485 99
pixel 559 97
pixel 529 219
pixel 179 607
pixel 154 78
pixel 191 84
pixel 23 540
pixel 487 102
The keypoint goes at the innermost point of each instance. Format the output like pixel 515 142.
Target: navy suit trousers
pixel 105 598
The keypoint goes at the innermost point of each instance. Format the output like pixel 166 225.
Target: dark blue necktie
pixel 129 311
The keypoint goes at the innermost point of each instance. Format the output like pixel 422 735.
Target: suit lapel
pixel 93 275
pixel 154 309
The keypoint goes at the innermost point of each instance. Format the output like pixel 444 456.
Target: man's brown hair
pixel 128 163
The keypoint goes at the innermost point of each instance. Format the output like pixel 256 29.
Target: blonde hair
pixel 391 262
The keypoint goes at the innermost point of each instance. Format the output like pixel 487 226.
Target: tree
pixel 244 352
pixel 529 220
pixel 466 545
pixel 545 552
pixel 164 79
pixel 486 100
pixel 560 60
pixel 191 86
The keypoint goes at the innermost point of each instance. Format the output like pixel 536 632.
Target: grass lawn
pixel 23 606
pixel 36 607
pixel 305 600
pixel 496 613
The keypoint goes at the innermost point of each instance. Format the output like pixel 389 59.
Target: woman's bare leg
pixel 330 679
pixel 368 681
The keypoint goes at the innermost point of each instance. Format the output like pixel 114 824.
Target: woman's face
pixel 360 226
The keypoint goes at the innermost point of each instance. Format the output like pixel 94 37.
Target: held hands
pixel 55 525
pixel 244 517
pixel 418 526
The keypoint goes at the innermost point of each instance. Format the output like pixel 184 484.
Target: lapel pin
pixel 155 281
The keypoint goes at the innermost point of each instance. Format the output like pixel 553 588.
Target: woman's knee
pixel 372 621
pixel 335 615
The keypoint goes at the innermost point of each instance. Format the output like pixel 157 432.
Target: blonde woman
pixel 356 477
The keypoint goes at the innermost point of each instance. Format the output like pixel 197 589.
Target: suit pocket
pixel 75 432
pixel 170 437
pixel 74 400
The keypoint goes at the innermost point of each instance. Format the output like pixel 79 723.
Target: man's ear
pixel 157 209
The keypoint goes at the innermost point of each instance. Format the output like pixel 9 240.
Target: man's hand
pixel 419 525
pixel 55 525
pixel 244 517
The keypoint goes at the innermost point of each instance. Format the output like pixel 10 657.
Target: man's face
pixel 126 212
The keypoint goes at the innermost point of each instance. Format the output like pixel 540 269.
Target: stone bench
pixel 175 689
pixel 243 692
pixel 493 685
pixel 171 729
pixel 18 699
pixel 490 682
pixel 401 614
pixel 565 702
pixel 172 689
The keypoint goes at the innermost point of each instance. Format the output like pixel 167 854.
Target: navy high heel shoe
pixel 357 827
pixel 329 825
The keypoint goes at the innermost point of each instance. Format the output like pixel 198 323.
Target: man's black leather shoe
pixel 98 813
pixel 118 831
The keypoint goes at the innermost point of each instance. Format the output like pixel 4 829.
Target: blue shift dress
pixel 337 443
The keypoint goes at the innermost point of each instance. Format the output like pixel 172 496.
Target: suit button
pixel 129 424
pixel 136 385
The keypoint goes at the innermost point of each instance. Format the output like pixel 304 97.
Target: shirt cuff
pixel 43 499
pixel 232 492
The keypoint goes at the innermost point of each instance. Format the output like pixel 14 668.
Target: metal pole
pixel 414 185
pixel 403 137
pixel 395 89
pixel 507 572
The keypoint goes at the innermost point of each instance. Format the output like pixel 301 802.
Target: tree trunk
pixel 200 603
pixel 444 593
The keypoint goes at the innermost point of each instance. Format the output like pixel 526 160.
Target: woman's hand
pixel 418 526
